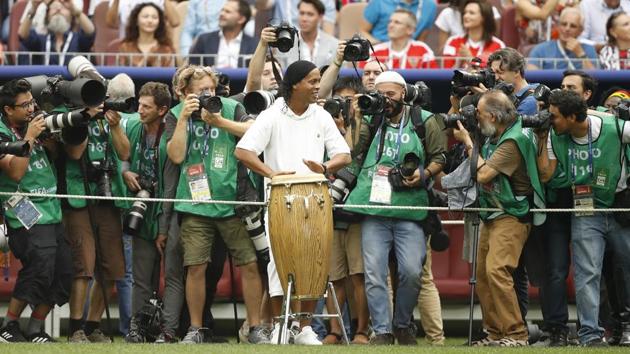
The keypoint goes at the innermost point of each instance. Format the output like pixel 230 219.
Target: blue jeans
pixel 379 236
pixel 123 287
pixel 557 260
pixel 589 236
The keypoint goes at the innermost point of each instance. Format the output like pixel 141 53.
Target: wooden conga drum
pixel 300 232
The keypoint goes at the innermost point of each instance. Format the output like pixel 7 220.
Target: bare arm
pixel 330 75
pixel 170 12
pixel 235 128
pixel 442 37
pixel 253 162
pixel 16 167
pixel 84 22
pixel 111 18
pixel 176 147
pixel 533 12
pixel 25 26
pixel 366 29
pixel 257 63
pixel 546 166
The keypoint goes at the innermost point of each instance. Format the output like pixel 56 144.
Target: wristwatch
pixel 325 169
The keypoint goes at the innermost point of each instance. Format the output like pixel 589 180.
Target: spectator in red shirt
pixel 402 51
pixel 479 40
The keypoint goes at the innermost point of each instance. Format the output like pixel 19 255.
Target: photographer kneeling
pixel 508 178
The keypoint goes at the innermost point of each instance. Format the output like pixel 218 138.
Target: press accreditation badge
pixel 198 182
pixel 381 191
pixel 583 199
pixel 24 209
pixel 219 156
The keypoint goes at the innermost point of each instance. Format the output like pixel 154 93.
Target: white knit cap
pixel 390 76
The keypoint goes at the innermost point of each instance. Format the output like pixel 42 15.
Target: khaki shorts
pixel 81 239
pixel 346 257
pixel 197 235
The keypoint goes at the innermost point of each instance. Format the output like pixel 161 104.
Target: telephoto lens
pixel 17 148
pixel 135 217
pixel 258 101
pixel 56 122
pixel 253 221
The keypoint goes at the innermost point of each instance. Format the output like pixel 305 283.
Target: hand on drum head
pixel 314 166
pixel 280 173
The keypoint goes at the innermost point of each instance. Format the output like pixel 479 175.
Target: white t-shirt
pixel 596 127
pixel 286 138
pixel 450 21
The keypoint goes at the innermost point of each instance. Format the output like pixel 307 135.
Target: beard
pixel 488 129
pixel 396 108
pixel 58 24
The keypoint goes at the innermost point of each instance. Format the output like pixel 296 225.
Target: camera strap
pixel 144 146
pixel 274 69
pixel 191 130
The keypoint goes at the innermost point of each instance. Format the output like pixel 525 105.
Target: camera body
pixel 336 105
pixel 101 173
pixel 540 120
pixel 135 217
pixel 223 85
pixel 463 80
pixel 345 181
pixel 467 116
pixel 357 49
pixel 542 94
pixel 285 37
pixel 208 102
pixel 125 105
pixel 418 94
pixel 372 103
pixel 622 111
pixel 405 169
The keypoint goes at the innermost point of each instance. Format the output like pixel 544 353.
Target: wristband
pixel 337 64
pixel 325 169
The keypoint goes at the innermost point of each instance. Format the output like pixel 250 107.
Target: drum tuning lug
pixel 306 206
pixel 320 200
pixel 288 199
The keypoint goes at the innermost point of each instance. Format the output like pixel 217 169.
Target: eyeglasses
pixel 26 104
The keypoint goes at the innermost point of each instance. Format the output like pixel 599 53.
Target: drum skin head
pixel 297 179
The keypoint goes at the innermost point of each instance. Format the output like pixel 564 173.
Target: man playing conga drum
pixel 294 134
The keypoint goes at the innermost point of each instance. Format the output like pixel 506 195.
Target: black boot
pixel 558 337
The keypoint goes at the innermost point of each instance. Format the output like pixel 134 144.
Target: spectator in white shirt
pixel 314 45
pixel 227 47
pixel 596 13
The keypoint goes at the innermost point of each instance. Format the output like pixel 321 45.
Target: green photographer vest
pixel 498 193
pixel 214 148
pixel 360 195
pixel 147 161
pixel 39 178
pixel 95 152
pixel 606 156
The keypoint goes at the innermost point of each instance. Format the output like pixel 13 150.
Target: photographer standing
pixel 381 182
pixel 36 236
pixel 144 180
pixel 506 172
pixel 202 143
pixel 508 66
pixel 94 228
pixel 595 169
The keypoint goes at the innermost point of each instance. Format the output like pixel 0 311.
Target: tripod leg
pixel 233 297
pixel 473 279
pixel 331 289
pixel 283 338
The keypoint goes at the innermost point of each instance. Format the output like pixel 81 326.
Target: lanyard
pixel 144 146
pixel 64 49
pixel 590 155
pixel 400 129
pixel 191 129
pixel 564 54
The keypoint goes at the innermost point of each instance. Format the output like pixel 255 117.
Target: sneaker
pixel 508 342
pixel 483 342
pixel 258 335
pixel 307 337
pixel 42 337
pixel 98 337
pixel 194 336
pixel 597 342
pixel 405 336
pixel 11 333
pixel 78 337
pixel 382 339
pixel 558 337
pixel 165 337
pixel 133 336
pixel 275 333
